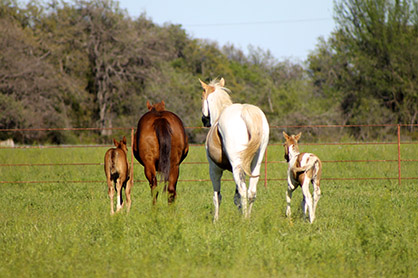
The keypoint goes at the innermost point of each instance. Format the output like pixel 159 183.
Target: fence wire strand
pixel 265 162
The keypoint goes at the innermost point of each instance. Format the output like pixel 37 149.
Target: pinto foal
pixel 117 171
pixel 304 168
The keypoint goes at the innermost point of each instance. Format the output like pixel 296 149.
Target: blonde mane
pixel 222 95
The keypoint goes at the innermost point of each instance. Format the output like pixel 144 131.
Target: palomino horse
pixel 304 168
pixel 160 145
pixel 236 141
pixel 117 172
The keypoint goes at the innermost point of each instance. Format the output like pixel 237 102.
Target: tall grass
pixel 363 228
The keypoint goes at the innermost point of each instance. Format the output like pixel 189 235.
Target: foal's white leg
pixel 308 199
pixel 304 206
pixel 316 194
pixel 289 193
pixel 118 195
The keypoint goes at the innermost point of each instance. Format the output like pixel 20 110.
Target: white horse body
pixel 237 142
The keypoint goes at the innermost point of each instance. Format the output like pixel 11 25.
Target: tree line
pixel 89 64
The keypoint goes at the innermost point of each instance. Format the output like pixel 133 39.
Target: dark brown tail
pixel 163 131
pixel 114 175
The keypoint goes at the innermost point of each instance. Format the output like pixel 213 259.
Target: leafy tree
pixel 88 64
pixel 32 90
pixel 369 64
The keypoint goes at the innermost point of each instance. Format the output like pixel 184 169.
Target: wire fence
pixel 268 161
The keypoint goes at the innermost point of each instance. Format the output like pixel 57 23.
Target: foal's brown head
pixel 121 144
pixel 290 140
pixel 157 106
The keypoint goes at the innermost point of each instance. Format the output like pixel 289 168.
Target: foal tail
pixel 252 117
pixel 315 165
pixel 163 131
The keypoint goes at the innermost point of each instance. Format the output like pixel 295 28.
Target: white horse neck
pixel 218 101
pixel 293 152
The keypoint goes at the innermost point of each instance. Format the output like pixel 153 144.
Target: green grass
pixel 365 228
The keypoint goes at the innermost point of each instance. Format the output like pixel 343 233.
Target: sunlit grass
pixel 363 228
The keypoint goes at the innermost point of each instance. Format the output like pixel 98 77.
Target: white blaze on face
pixel 205 108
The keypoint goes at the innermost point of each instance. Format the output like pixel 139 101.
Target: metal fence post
pixel 132 157
pixel 399 154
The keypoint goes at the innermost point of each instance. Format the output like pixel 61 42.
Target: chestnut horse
pixel 160 145
pixel 117 172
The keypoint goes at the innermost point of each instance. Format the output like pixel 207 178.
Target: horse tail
pixel 163 131
pixel 315 165
pixel 110 164
pixel 317 172
pixel 254 122
pixel 113 161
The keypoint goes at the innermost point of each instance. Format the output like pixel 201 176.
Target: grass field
pixel 364 228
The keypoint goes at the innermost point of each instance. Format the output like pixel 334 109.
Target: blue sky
pixel 289 29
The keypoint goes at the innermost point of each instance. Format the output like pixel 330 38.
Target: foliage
pixel 369 63
pixel 88 64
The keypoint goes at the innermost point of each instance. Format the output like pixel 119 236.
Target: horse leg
pixel 237 198
pixel 150 174
pixel 252 193
pixel 289 194
pixel 239 178
pixel 307 197
pixel 111 193
pixel 304 206
pixel 128 193
pixel 172 184
pixel 119 200
pixel 253 181
pixel 215 176
pixel 316 194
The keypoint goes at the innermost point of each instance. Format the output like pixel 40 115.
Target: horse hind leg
pixel 128 194
pixel 239 178
pixel 150 174
pixel 253 181
pixel 217 199
pixel 111 193
pixel 172 184
pixel 316 193
pixel 307 197
pixel 119 200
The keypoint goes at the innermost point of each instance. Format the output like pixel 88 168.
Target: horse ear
pixel 149 106
pixel 115 142
pixel 124 140
pixel 163 104
pixel 204 85
pixel 222 82
pixel 285 135
pixel 297 137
